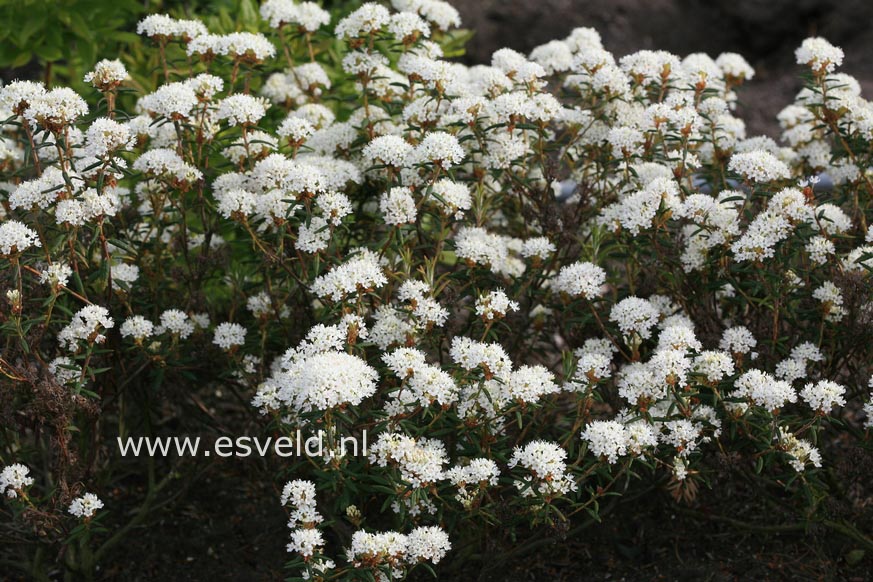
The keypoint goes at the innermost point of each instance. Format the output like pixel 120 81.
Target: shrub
pixel 541 286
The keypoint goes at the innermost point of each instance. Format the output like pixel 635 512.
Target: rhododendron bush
pixel 542 286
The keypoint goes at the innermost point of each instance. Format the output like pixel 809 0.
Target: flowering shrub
pixel 540 285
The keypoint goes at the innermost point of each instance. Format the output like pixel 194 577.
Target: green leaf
pixel 48 52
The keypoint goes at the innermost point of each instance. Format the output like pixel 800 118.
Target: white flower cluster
pixel 14 479
pixel 472 479
pixel 419 461
pixel 107 74
pixel 87 325
pixel 306 539
pixel 317 374
pixel 361 273
pixel 801 452
pixel 581 279
pixel 86 506
pixel 762 389
pixel 612 439
pixel 229 335
pixel 495 305
pixel 424 383
pixel 396 550
pixel 544 468
pixel 308 16
pixel 16 238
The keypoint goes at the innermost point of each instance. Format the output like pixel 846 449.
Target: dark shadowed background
pixel 765 32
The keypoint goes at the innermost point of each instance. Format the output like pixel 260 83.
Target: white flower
pixel 377 548
pixel 759 166
pixel 819 249
pixel 715 366
pixel 16 238
pixel 807 352
pixel 680 469
pixel 442 149
pixel 335 206
pixel 313 237
pixel 242 109
pixel 860 259
pixel 310 16
pixel 278 12
pixel 359 273
pixel 17 95
pixel 764 390
pixel 823 395
pixel 65 370
pixel 173 101
pixel 472 355
pixel 237 203
pixel 299 492
pixel 85 506
pixel 790 370
pixel 305 541
pixel 295 130
pixel 168 165
pixel 454 197
pixel 14 479
pixel 325 380
pixel 625 141
pixel 247 45
pixel 606 438
pixel 229 335
pixel 685 435
pixel 581 279
pixel 819 54
pixel 494 305
pixel 157 25
pixel 427 543
pixel 442 14
pixel 647 67
pixel 40 192
pixel 56 108
pixel 206 86
pixel 137 327
pixel 678 337
pixel 546 464
pixel 530 383
pixel 398 206
pixel 56 275
pixel 105 137
pixel 555 56
pixel 516 66
pixel 803 453
pixel 407 25
pixel 538 247
pixel 390 150
pixel 366 20
pixel 107 74
pixel 420 461
pixel 735 66
pixel 476 472
pixel 176 322
pixel 124 273
pixel 832 301
pixel 738 340
pixel 591 367
pixel 86 325
pixel 635 316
